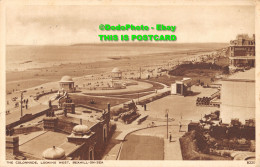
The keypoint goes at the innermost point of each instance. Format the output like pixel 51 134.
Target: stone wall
pixel 65 126
pixel 28 129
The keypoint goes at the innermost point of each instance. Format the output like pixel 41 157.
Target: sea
pixel 25 57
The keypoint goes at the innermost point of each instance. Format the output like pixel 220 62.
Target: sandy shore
pixel 20 80
pixel 39 80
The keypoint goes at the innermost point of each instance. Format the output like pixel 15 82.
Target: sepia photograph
pixel 112 80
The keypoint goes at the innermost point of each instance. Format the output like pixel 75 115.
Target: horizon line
pixel 113 43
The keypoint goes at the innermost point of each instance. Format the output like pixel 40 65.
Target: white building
pixel 238 97
pixel 116 73
pixel 181 87
pixel 67 84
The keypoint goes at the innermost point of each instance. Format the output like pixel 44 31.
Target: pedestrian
pixel 170 139
pixel 180 126
pixel 65 112
pixel 144 107
pixel 26 103
pixel 50 105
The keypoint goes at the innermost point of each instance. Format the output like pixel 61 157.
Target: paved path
pixel 113 153
pixel 122 136
pixel 15 115
pixel 172 150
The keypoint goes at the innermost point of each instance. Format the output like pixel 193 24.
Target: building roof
pixel 80 129
pixel 116 70
pixel 53 153
pixel 245 36
pixel 89 123
pixel 243 57
pixel 39 144
pixel 66 79
pixel 248 75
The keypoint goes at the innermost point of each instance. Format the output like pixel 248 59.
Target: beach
pixel 30 66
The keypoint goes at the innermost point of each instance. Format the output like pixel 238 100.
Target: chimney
pixel 12 144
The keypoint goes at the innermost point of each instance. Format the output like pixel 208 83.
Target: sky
pixel 64 25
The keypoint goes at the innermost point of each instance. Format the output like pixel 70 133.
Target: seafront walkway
pixel 16 115
pixel 181 109
pixel 172 150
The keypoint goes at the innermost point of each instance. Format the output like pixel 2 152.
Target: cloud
pixel 79 24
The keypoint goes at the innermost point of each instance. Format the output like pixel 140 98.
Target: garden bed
pixel 142 148
pixel 96 102
pixel 192 144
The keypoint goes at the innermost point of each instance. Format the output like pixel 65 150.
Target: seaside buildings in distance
pixel 242 51
pixel 207 112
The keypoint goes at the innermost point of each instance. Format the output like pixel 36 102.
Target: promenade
pixel 16 115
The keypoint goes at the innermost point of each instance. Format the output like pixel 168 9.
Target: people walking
pixel 180 126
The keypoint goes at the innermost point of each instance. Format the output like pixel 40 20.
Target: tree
pixel 226 70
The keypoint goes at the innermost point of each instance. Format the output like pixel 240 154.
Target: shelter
pixel 67 84
pixel 181 87
pixel 116 73
pixel 117 79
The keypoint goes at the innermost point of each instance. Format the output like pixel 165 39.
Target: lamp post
pixel 167 115
pixel 140 73
pixel 21 103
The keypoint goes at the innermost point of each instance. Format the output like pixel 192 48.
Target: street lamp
pixel 21 103
pixel 167 115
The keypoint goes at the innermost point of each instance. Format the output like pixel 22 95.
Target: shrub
pixel 115 111
pixel 190 150
pixel 112 128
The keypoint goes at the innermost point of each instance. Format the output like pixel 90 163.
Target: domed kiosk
pixel 116 73
pixel 81 130
pixel 82 134
pixel 117 78
pixel 67 84
pixel 79 134
pixel 54 153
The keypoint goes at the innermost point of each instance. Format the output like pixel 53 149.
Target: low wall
pixel 88 107
pixel 65 126
pixel 29 129
pixel 153 98
pixel 43 94
pixel 26 118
